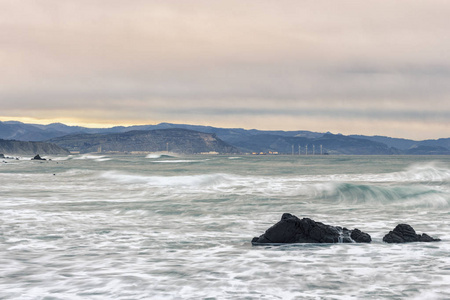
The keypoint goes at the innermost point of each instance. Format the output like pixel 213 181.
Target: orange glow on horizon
pixel 70 122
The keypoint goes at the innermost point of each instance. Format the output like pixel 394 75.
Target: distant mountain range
pixel 187 139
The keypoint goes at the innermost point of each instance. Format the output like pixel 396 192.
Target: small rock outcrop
pixel 404 233
pixel 38 157
pixel 291 229
pixel 2 155
pixel 360 237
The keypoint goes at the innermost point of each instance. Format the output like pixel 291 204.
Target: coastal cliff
pixel 173 140
pixel 30 148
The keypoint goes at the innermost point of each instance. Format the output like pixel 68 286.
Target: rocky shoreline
pixel 290 229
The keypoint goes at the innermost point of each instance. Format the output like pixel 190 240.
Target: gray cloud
pixel 179 60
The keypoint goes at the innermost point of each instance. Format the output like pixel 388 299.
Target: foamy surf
pixel 130 229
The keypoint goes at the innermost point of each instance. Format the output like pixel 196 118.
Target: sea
pixel 168 226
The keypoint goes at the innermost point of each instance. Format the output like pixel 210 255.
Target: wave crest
pixel 168 181
pixel 404 195
pixel 157 155
pixel 98 158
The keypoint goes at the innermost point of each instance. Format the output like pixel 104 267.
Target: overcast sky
pixel 353 67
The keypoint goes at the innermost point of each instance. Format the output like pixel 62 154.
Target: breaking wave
pixel 421 185
pixel 169 181
pixel 403 195
pixel 159 155
pixel 430 172
pixel 98 158
pixel 423 173
pixel 332 193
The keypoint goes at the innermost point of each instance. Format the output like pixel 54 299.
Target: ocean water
pixel 180 227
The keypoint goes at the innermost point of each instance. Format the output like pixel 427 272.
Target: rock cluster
pixel 7 157
pixel 291 229
pixel 404 233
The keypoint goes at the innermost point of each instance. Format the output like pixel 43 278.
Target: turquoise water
pixel 179 227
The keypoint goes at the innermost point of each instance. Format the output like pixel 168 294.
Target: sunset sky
pixel 352 67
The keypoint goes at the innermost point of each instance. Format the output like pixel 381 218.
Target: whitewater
pixel 102 226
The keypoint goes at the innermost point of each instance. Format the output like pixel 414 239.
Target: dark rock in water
pixel 404 233
pixel 291 229
pixel 38 157
pixel 2 155
pixel 360 237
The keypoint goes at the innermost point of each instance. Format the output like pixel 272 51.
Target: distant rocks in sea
pixel 290 229
pixel 404 233
pixel 38 157
pixel 2 156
